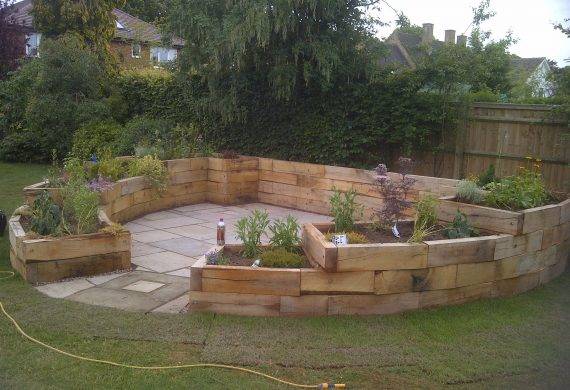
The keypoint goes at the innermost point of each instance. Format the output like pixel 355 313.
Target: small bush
pixel 523 191
pixel 487 177
pixel 394 192
pixel 469 192
pixel 345 210
pixel 215 257
pixel 281 258
pixel 250 229
pixel 285 234
pixel 152 169
pixel 142 130
pixel 426 213
pixel 110 168
pixel 460 227
pixel 96 139
pixel 46 216
pixel 80 209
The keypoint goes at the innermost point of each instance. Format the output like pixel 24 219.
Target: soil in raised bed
pixel 235 258
pixel 406 228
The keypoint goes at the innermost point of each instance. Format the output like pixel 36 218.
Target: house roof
pixel 526 65
pixel 128 28
pixel 407 49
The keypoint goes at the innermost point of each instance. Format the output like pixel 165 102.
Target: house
pixel 406 49
pixel 136 44
pixel 533 73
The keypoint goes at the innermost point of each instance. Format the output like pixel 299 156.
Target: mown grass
pixel 516 342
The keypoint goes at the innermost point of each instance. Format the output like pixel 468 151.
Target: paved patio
pixel 164 246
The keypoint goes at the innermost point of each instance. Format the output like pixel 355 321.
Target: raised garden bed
pixel 48 259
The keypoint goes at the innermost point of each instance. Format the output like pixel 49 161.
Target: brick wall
pixel 123 53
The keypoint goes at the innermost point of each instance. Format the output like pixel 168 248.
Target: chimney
pixel 462 40
pixel 427 36
pixel 450 36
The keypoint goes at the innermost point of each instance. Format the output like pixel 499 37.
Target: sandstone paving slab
pixel 65 288
pixel 140 249
pixel 159 215
pixel 184 246
pixel 119 299
pixel 153 236
pixel 100 279
pixel 174 306
pixel 163 261
pixel 198 207
pixel 171 222
pixel 137 228
pixel 197 232
pixel 143 286
pixel 184 272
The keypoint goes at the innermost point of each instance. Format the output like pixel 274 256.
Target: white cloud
pixel 530 22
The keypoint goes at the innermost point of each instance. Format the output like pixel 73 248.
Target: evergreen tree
pixel 147 10
pixel 284 48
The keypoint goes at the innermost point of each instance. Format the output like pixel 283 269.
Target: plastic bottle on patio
pixel 221 233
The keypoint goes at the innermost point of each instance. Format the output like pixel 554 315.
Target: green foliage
pixel 152 168
pixel 50 97
pixel 249 231
pixel 460 227
pixel 523 191
pixel 74 171
pixel 93 21
pixel 281 258
pixel 345 210
pixel 487 177
pixel 80 209
pixel 96 139
pixel 426 213
pixel 285 234
pixel 46 215
pixel 469 192
pixel 110 168
pixel 421 232
pixel 147 10
pixel 285 48
pixel 12 41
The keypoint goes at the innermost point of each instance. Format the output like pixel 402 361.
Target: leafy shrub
pixel 46 215
pixel 460 227
pixel 49 98
pixel 114 229
pixel 152 168
pixel 229 154
pixel 281 258
pixel 426 213
pixel 80 209
pixel 142 130
pixel 345 210
pixel 487 177
pixel 99 184
pixel 110 168
pixel 215 257
pixel 96 139
pixel 250 229
pixel 469 192
pixel 352 237
pixel 74 172
pixel 394 192
pixel 285 234
pixel 523 191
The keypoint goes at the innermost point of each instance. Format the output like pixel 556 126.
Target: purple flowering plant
pixel 99 184
pixel 394 191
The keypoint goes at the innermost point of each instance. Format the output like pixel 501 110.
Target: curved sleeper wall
pixel 525 249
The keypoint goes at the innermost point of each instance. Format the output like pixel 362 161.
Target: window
pixel 33 44
pixel 162 54
pixel 136 50
pixel 119 25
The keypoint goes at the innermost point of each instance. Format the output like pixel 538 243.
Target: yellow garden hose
pixel 199 365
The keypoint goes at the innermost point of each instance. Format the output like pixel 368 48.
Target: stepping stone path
pixel 164 246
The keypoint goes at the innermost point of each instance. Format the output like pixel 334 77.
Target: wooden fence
pixel 508 136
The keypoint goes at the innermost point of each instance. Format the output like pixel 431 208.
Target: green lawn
pixel 518 342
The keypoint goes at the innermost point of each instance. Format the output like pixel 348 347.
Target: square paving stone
pixel 198 207
pixel 119 299
pixel 184 272
pixel 100 279
pixel 153 236
pixel 185 246
pixel 197 232
pixel 158 215
pixel 163 261
pixel 143 286
pixel 137 228
pixel 174 306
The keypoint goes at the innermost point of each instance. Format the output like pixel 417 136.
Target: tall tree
pixel 283 47
pixel 93 20
pixel 12 40
pixel 147 10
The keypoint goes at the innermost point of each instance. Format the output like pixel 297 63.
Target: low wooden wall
pixel 49 259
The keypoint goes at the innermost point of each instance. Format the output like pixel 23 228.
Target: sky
pixel 530 22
